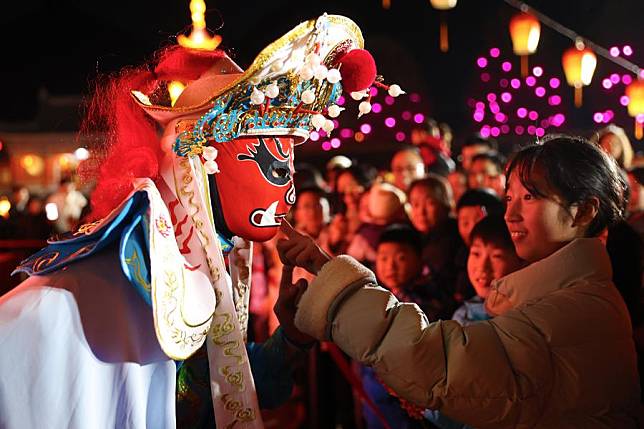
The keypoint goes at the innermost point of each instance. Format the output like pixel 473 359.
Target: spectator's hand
pixel 300 250
pixel 286 306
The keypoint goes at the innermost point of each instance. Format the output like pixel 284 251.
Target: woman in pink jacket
pixel 558 353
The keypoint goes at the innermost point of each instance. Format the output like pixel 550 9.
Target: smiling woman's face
pixel 255 185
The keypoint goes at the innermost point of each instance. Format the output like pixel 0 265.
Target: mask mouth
pixel 267 218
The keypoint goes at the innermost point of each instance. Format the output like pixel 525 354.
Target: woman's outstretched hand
pixel 300 250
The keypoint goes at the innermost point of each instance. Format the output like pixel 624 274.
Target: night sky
pixel 60 46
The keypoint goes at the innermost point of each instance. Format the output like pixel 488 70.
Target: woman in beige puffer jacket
pixel 558 353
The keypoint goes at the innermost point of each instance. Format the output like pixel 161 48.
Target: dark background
pixel 58 47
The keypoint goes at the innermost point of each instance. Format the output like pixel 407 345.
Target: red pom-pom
pixel 358 70
pixel 178 63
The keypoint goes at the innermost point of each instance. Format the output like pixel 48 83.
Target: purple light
pixel 419 118
pixel 322 133
pixel 485 77
pixel 614 78
pixel 642 73
pixel 414 98
pixel 554 100
pixel 540 91
pixel 627 79
pixel 376 107
pixel 606 83
pixel 406 115
pixel 558 119
pixel 627 50
pixel 335 143
pixel 614 51
pixel 491 97
pixel 598 117
pixel 503 83
pixel 505 129
pixel 539 132
pixel 481 62
pixel 495 52
pixel 519 130
pixel 390 122
pixel 532 129
pixel 530 81
pixel 373 91
pixel 495 131
pixel 623 100
pixel 522 112
pixel 365 128
pixel 494 108
pixel 314 136
pixel 346 133
pixel 608 115
pixel 506 97
pixel 389 100
pixel 515 83
pixel 506 66
pixel 340 101
pixel 500 117
pixel 485 131
pixel 537 71
pixel 533 115
pixel 400 136
pixel 479 115
pixel 336 123
pixel 480 105
pixel 554 82
pixel 326 145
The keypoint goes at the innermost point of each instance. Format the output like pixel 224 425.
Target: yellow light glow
pixel 525 31
pixel 635 94
pixel 199 37
pixel 443 4
pixel 5 206
pixel 33 164
pixel 579 66
pixel 175 88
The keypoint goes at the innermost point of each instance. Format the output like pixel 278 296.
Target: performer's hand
pixel 286 306
pixel 300 250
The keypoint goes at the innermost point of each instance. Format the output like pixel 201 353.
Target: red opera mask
pixel 254 187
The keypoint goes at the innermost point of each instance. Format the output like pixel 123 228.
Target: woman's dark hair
pixel 402 234
pixel 575 170
pixel 493 229
pixel 437 186
pixel 481 198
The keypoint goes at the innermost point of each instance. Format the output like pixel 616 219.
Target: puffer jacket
pixel 558 354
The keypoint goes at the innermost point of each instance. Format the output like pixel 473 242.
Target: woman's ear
pixel 586 212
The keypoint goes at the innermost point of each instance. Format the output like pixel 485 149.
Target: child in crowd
pixel 491 257
pixel 559 351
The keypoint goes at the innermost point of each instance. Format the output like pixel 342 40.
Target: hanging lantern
pixel 635 94
pixel 579 65
pixel 443 6
pixel 525 30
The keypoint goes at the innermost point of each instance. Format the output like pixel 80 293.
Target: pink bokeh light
pixel 340 101
pixel 335 143
pixel 627 50
pixel 495 52
pixel 365 128
pixel 532 129
pixel 389 100
pixel 598 117
pixel 503 83
pixel 515 83
pixel 606 83
pixel 537 71
pixel 506 97
pixel 481 62
pixel 519 130
pixel 479 116
pixel 500 117
pixel 390 122
pixel 495 131
pixel 485 131
pixel 376 107
pixel 558 119
pixel 480 105
pixel 615 78
pixel 623 100
pixel 614 51
pixel 627 79
pixel 539 132
pixel 505 129
pixel 373 91
pixel 522 112
pixel 533 115
pixel 554 83
pixel 314 136
pixel 326 145
pixel 400 136
pixel 406 115
pixel 414 97
pixel 506 66
pixel 608 116
pixel 554 100
pixel 485 77
pixel 491 97
pixel 530 80
pixel 540 91
pixel 494 108
pixel 346 133
pixel 419 118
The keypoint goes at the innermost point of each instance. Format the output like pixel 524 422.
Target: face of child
pixel 426 213
pixel 538 226
pixel 468 216
pixel 397 265
pixel 487 262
